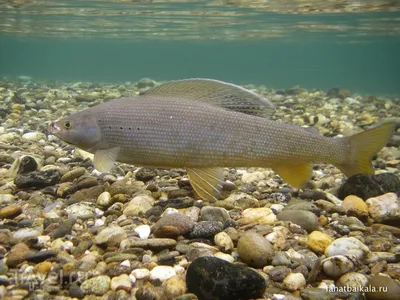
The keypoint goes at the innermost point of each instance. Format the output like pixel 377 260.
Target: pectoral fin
pixel 295 174
pixel 105 159
pixel 207 182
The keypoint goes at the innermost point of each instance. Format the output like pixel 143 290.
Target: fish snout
pixel 54 128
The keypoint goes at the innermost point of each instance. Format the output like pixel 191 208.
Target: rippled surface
pixel 193 20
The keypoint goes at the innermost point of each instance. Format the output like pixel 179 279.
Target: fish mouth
pixel 54 128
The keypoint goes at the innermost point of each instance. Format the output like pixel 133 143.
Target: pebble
pixel 174 287
pixel 162 273
pixel 355 206
pixel 10 211
pixel 104 199
pixel 382 287
pixel 262 215
pixel 294 281
pixel 143 231
pixel 368 186
pixel 25 234
pixel 98 285
pixel 121 282
pixel 255 250
pixel 336 266
pixel 41 256
pixel 242 200
pixel 211 213
pixel 319 241
pixel 223 241
pixel 138 205
pixel 305 219
pixel 34 136
pixel 384 208
pixel 141 273
pixel 37 180
pixel 347 246
pixel 353 280
pixel 254 177
pixel 82 210
pixel 296 204
pixel 73 174
pixel 112 236
pixel 172 225
pixel 224 256
pixel 213 278
pixel 206 229
pixel 279 273
pixel 17 255
pixel 155 244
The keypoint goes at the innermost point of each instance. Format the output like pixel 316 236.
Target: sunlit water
pixel 281 45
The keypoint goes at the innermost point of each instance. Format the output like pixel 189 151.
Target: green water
pixel 114 41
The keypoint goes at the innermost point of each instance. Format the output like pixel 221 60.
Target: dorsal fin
pixel 217 93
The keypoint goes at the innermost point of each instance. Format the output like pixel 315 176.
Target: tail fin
pixel 363 146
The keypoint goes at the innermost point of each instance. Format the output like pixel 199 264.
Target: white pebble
pixel 162 273
pixel 143 231
pixel 294 281
pixel 169 211
pixel 141 273
pixel 223 241
pixel 224 256
pixel 347 246
pixel 104 199
pixel 125 263
pixel 336 266
pixel 34 136
pixel 384 207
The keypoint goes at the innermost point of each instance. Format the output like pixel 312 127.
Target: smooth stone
pixel 149 292
pixel 321 294
pixel 336 266
pixel 82 210
pixel 141 273
pixel 223 241
pixel 17 255
pixel 145 83
pixel 121 282
pixel 41 256
pixel 262 215
pixel 37 179
pixel 355 206
pixel 98 285
pixel 25 234
pixel 143 231
pixel 382 288
pixel 254 177
pixel 187 297
pixel 281 258
pixel 305 219
pixel 6 199
pixel 294 281
pixel 319 241
pixel 10 211
pixel 26 164
pixel 43 267
pixel 224 256
pixel 213 278
pixel 206 229
pixel 296 204
pixel 155 244
pixel 279 273
pixel 174 287
pixel 75 291
pixel 212 213
pixel 64 229
pixel 255 250
pixel 112 236
pixel 145 174
pixel 34 136
pixel 73 174
pixel 368 186
pixel 104 199
pixel 384 208
pixel 162 273
pixel 138 205
pixel 353 280
pixel 242 200
pixel 347 246
pixel 172 226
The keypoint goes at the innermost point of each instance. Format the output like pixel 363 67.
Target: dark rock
pixel 211 278
pixel 41 256
pixel 211 213
pixel 4 281
pixel 368 186
pixel 64 229
pixel 333 93
pixel 296 204
pixel 90 194
pixel 279 273
pixel 149 292
pixel 321 294
pixel 145 174
pixel 206 229
pixel 187 297
pixel 382 288
pixel 37 180
pixel 75 291
pixel 28 164
pixel 313 195
pixel 172 225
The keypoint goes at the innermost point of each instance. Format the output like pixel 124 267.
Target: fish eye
pixel 67 124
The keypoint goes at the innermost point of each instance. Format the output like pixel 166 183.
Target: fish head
pixel 80 129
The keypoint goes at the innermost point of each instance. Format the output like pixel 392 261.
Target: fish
pixel 204 125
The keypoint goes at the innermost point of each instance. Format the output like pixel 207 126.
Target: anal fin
pixel 296 174
pixel 207 182
pixel 105 159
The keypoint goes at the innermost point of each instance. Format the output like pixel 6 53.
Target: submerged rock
pixel 37 180
pixel 210 278
pixel 368 186
pixel 255 250
pixel 305 219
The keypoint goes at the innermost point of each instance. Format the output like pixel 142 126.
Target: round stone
pixel 255 250
pixel 319 241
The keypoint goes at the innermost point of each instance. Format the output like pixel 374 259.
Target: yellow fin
pixel 363 146
pixel 207 182
pixel 296 174
pixel 105 159
pixel 217 93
